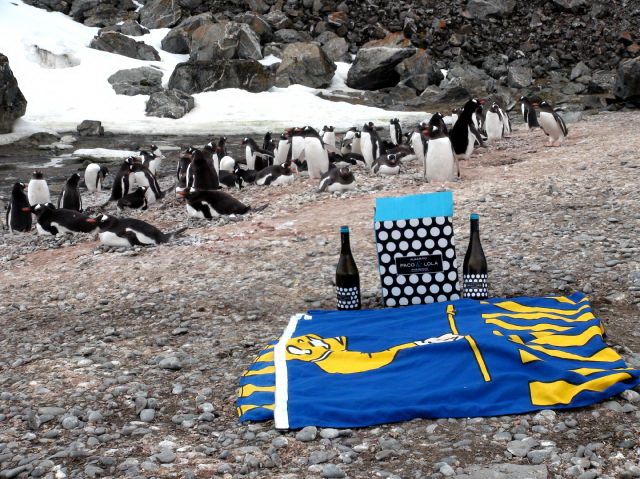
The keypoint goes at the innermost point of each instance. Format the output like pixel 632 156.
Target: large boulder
pixel 196 76
pixel 336 48
pixel 418 71
pixel 627 83
pixel 481 9
pixel 169 104
pixel 305 64
pixel 160 14
pixel 128 27
pixel 374 67
pixel 258 24
pixel 178 40
pixel 136 81
pixel 113 42
pixel 519 76
pixel 470 78
pixel 90 128
pixel 12 102
pixel 51 5
pixel 278 20
pixel 101 13
pixel 225 40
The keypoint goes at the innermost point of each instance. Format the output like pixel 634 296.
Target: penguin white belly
pixel 227 163
pixel 216 163
pixel 493 126
pixel 392 134
pixel 283 180
pixel 138 179
pixel 91 177
pixel 41 230
pixel 150 196
pixel 418 147
pixel 111 239
pixel 144 239
pixel 262 181
pixel 194 213
pixel 297 147
pixel 329 139
pixel 341 187
pixel 61 229
pixel 38 192
pixel 154 166
pixel 356 146
pixel 389 170
pixel 317 158
pixel 367 149
pixel 550 126
pixel 471 139
pixel 282 152
pixel 440 160
pixel 249 157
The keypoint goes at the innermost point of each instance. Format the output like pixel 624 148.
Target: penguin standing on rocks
pixel 275 175
pixel 38 190
pixel 528 113
pixel 419 143
pixel 387 164
pixel 94 176
pixel 552 124
pixel 204 178
pixel 440 163
pixel 51 221
pixel 70 198
pixel 134 200
pixel 120 185
pixel 315 153
pixel 140 176
pixel 211 204
pixel 464 133
pixel 347 140
pixel 126 232
pixel 183 166
pixel 506 122
pixel 19 210
pixel 329 138
pixel 151 161
pixel 282 150
pixel 337 179
pixel 494 125
pixel 370 144
pixel 395 131
pixel 256 157
pixel 297 143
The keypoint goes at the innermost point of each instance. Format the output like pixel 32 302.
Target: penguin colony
pixel 438 144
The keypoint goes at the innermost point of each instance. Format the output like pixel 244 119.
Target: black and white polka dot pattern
pixel 348 298
pixel 428 241
pixel 475 286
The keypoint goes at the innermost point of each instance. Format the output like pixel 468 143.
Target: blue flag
pixel 462 358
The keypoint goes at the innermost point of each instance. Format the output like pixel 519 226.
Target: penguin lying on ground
pixel 387 164
pixel 70 196
pixel 337 179
pixel 19 209
pixel 210 204
pixel 94 176
pixel 276 175
pixel 552 124
pixel 38 190
pixel 135 200
pixel 256 157
pixel 53 221
pixel 231 179
pixel 127 232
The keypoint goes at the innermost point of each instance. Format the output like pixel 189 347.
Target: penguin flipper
pixel 268 179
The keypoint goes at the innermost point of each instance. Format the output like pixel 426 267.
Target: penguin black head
pixel 245 141
pixel 104 171
pixel 494 108
pixel 104 221
pixel 345 175
pixel 18 188
pixel 73 180
pixel 153 147
pixel 37 175
pixel 41 208
pixel 392 159
pixel 358 134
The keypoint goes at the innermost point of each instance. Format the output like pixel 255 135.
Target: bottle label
pixel 475 286
pixel 348 298
pixel 430 263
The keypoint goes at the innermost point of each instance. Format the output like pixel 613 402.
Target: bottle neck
pixel 345 244
pixel 475 227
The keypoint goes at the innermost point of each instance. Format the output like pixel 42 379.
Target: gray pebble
pixel 147 415
pixel 307 434
pixel 332 471
pixel 165 457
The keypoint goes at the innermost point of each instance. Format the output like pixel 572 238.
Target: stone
pixel 259 25
pixel 481 9
pixel 304 64
pixel 90 128
pixel 13 104
pixel 93 471
pixel 225 41
pixel 51 5
pixel 171 362
pixel 332 471
pixel 257 6
pixel 70 422
pixel 419 65
pixel 147 415
pixel 505 471
pixel 471 78
pixel 160 14
pixel 165 457
pixel 120 44
pixel 519 448
pixel 579 70
pixel 178 40
pixel 571 4
pixel 102 13
pixel 278 20
pixel 289 35
pixel 519 76
pixel 337 50
pixel 136 81
pixel 374 67
pixel 307 434
pixel 129 27
pixel 627 82
pixel 195 77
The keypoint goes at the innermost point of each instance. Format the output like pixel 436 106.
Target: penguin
pixel 231 180
pixel 494 125
pixel 506 122
pixel 336 160
pixel 347 140
pixel 552 124
pixel 395 131
pixel 204 178
pixel 419 143
pixel 450 120
pixel 208 152
pixel 246 175
pixel 297 143
pixel 140 176
pixel 211 204
pixel 528 113
pixel 19 210
pixel 356 143
pixel 135 200
pixel 387 164
pixel 315 154
pixel 219 153
pixel 478 117
pixel 276 175
pixel 227 163
pixel 337 179
pixel 256 157
pixel 370 144
pixel 120 185
pixel 329 138
pixel 126 232
pixel 151 161
pixel 38 190
pixel 464 133
pixel 94 176
pixel 181 172
pixel 440 163
pixel 51 221
pixel 70 198
pixel 282 150
pixel 156 151
pixel 267 144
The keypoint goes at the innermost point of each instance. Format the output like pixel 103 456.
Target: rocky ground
pixel 124 363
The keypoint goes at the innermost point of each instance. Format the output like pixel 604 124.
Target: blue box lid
pixel 425 205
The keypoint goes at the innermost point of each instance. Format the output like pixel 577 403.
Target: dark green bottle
pixel 347 276
pixel 474 269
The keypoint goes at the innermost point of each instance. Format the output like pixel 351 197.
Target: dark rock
pixel 337 49
pixel 160 14
pixel 305 64
pixel 12 102
pixel 571 4
pixel 90 128
pixel 178 40
pixel 169 104
pixel 278 20
pixel 196 77
pixel 51 5
pixel 495 65
pixel 190 5
pixel 129 27
pixel 579 70
pixel 447 95
pixel 374 67
pixel 225 41
pixel 419 64
pixel 627 83
pixel 136 81
pixel 289 35
pixel 519 76
pixel 95 13
pixel 481 9
pixel 472 79
pixel 113 42
pixel 257 6
pixel 40 138
pixel 258 24
pixel 601 81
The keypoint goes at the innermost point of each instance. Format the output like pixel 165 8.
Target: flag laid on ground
pixel 463 358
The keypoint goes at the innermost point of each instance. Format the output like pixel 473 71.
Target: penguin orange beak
pixel 91 220
pixel 181 193
pixel 482 101
pixel 26 209
pixel 535 103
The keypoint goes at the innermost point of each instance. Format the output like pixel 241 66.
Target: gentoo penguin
pixel 127 232
pixel 315 153
pixel 183 166
pixel 247 176
pixel 94 176
pixel 231 179
pixel 256 157
pixel 369 143
pixel 275 175
pixel 395 131
pixel 418 142
pixel 347 140
pixel 478 117
pixel 211 204
pixel 120 185
pixel 528 113
pixel 135 200
pixel 506 122
pixel 156 151
pixel 51 221
pixel 297 143
pixel 267 144
pixel 151 161
pixel 70 197
pixel 329 138
pixel 282 150
pixel 204 178
pixel 493 123
pixel 140 176
pixel 227 163
pixel 337 179
pixel 219 153
pixel 450 120
pixel 387 164
pixel 464 133
pixel 440 163
pixel 552 124
pixel 38 190
pixel 336 160
pixel 19 209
